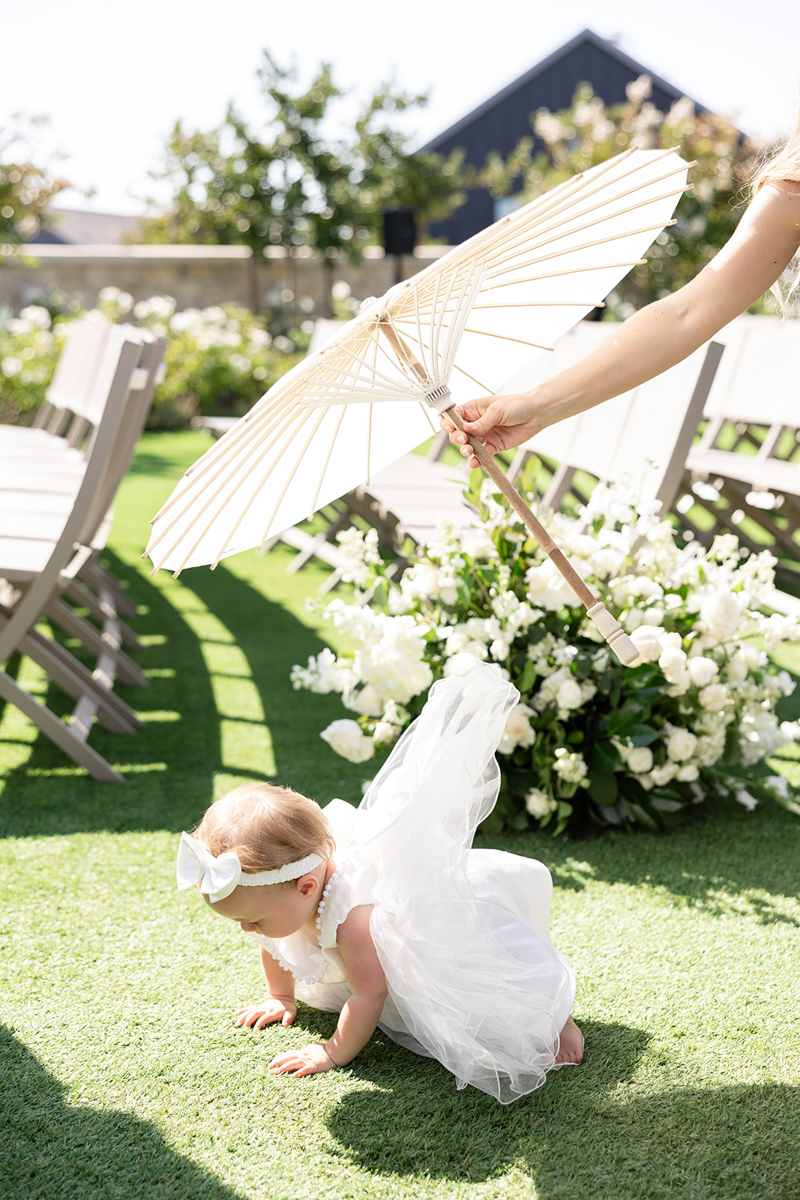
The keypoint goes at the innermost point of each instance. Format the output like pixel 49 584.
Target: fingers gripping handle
pixel 616 637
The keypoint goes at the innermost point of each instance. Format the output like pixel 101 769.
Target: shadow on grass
pixel 722 860
pixel 579 1135
pixel 170 764
pixel 53 1151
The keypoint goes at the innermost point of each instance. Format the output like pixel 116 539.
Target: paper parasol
pixel 460 328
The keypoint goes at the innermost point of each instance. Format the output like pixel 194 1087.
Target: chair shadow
pixel 54 1151
pixel 579 1135
pixel 170 764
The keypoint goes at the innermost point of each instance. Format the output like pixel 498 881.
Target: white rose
pixel 348 739
pixel 384 733
pixel 654 616
pixel 736 670
pixel 688 774
pixel 569 694
pixel 537 803
pixel 714 697
pixel 647 640
pixel 721 615
pixel 681 745
pixel 702 670
pixel 460 664
pixel 367 702
pixel 518 730
pixel 640 760
pixel 672 662
pixel 664 774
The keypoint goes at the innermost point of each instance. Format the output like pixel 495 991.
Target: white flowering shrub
pixel 590 738
pixel 219 359
pixel 29 349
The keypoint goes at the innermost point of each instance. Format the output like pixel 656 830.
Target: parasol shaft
pixel 617 639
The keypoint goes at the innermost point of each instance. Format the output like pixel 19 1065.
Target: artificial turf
pixel 122 1075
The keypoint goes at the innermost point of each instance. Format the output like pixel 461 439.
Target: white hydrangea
pixel 323 674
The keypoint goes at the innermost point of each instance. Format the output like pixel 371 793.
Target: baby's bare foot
pixel 571 1044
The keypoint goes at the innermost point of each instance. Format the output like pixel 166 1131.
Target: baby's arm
pixel 360 1013
pixel 279 1006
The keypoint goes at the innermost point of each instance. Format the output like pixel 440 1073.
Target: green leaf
pixel 606 757
pixel 603 787
pixel 661 802
pixel 640 735
pixel 527 678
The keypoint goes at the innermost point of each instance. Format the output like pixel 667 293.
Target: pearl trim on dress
pixel 320 910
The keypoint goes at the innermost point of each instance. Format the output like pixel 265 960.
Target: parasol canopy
pixel 460 328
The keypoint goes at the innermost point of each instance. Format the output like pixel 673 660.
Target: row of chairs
pixel 58 481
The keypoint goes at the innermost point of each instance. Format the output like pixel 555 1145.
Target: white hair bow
pixel 218 877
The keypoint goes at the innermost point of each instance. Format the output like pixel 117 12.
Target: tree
pixel 25 188
pixel 588 133
pixel 292 185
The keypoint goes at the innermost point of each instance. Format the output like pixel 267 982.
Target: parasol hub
pixel 439 398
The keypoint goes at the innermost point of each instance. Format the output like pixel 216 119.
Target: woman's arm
pixel 279 1006
pixel 360 1014
pixel 657 337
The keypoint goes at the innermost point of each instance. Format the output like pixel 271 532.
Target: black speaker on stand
pixel 399 237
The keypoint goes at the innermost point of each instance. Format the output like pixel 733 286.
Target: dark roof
pixel 498 124
pixel 72 227
pixel 530 83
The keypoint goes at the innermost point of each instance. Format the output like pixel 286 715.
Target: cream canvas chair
pixel 37 570
pixel 747 463
pixel 63 420
pixel 644 434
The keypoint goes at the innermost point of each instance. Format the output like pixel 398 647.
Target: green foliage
pixel 219 360
pixel 29 349
pixel 589 132
pixel 26 188
pixel 291 185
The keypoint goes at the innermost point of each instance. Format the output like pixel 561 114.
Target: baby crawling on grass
pixel 386 915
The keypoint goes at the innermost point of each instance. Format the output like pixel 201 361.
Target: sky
pixel 114 78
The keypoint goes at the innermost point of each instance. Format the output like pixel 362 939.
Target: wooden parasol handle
pixel 616 637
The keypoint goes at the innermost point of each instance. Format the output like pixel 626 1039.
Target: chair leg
pixel 97 577
pixel 96 642
pixel 68 741
pixel 101 608
pixel 76 680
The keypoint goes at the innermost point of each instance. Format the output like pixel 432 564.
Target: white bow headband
pixel 219 876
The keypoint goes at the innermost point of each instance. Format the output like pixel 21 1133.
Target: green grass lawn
pixel 122 1075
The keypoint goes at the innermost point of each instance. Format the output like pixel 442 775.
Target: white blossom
pixel 349 740
pixel 518 729
pixel 681 745
pixel 538 803
pixel 714 697
pixel 640 760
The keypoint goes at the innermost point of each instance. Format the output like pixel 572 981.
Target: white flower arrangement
pixel 694 716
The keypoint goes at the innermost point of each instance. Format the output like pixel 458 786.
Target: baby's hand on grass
pixel 276 1008
pixel 308 1061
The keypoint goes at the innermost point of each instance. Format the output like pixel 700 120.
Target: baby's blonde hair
pixel 267 826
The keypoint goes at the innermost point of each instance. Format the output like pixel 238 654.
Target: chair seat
pixel 421 493
pixel 770 474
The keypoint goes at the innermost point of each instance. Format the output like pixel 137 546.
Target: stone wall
pixel 197 276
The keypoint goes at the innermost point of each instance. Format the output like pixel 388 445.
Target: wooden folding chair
pixel 39 570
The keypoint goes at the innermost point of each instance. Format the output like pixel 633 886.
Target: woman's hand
pixel 502 421
pixel 311 1060
pixel 276 1008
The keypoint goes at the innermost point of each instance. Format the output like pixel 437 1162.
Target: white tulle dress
pixel 463 935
